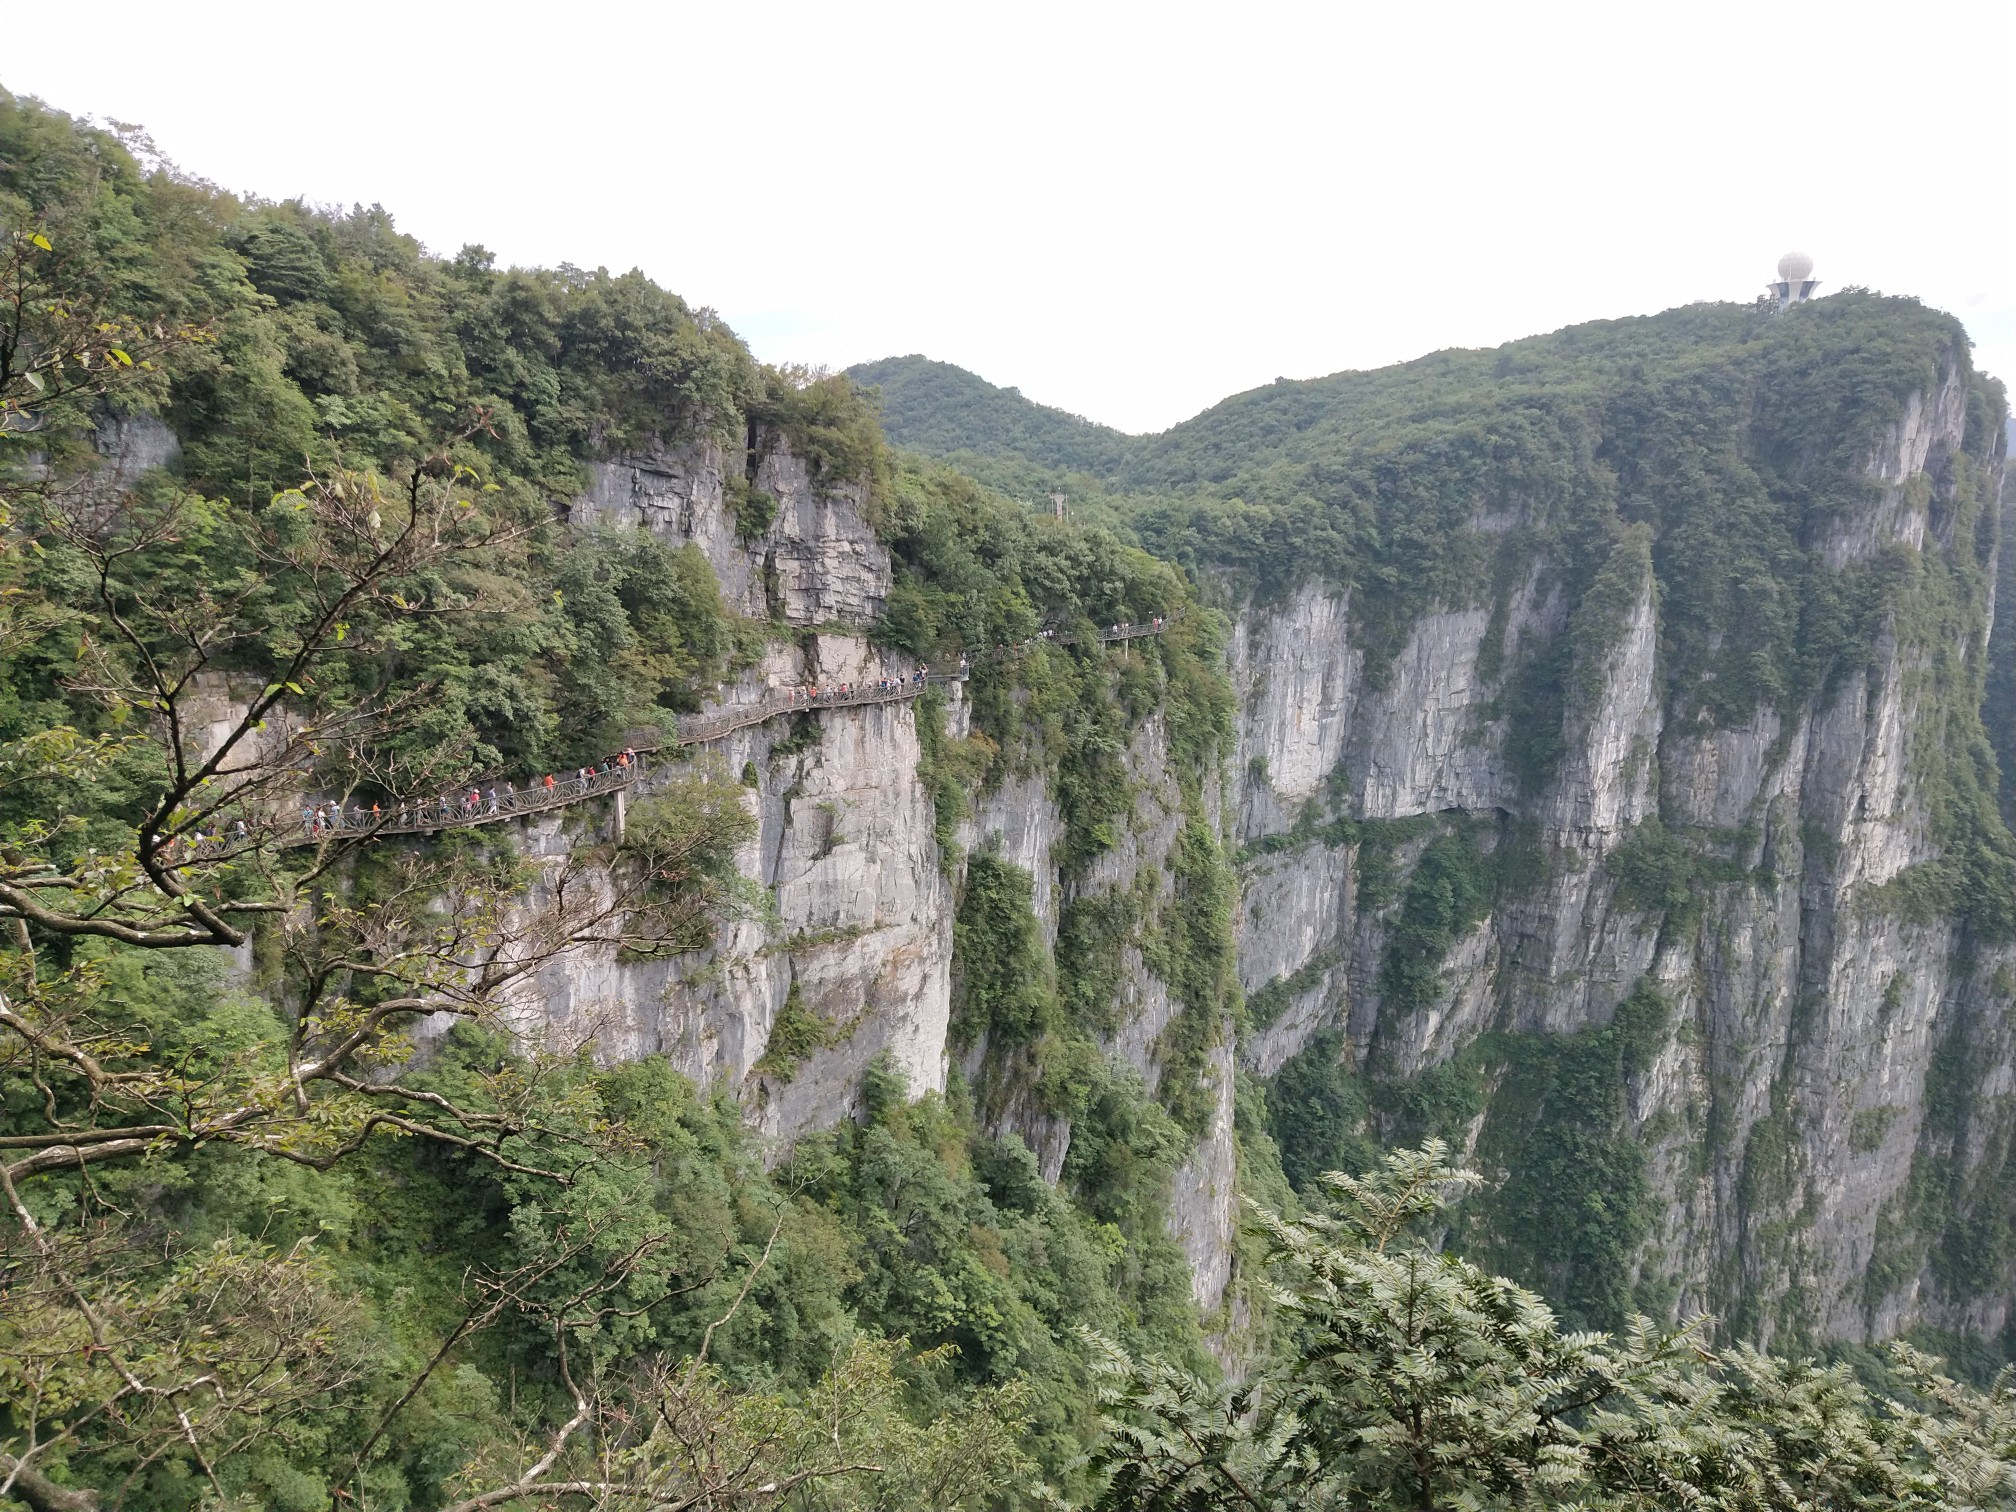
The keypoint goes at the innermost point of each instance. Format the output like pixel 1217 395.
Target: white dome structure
pixel 1796 282
pixel 1795 267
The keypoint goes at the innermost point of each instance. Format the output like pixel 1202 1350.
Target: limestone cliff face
pixel 849 911
pixel 1826 1042
pixel 1830 1053
pixel 816 562
pixel 851 921
pixel 1836 1060
pixel 850 918
pixel 1019 822
pixel 857 926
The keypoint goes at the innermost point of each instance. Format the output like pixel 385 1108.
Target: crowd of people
pixel 842 692
pixel 210 842
pixel 499 798
pixel 1118 630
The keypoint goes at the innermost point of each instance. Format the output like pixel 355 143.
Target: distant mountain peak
pixel 938 408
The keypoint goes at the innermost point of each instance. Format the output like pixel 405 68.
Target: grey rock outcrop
pixel 134 443
pixel 1783 1120
pixel 850 920
pixel 1808 1076
pixel 817 561
pixel 1018 821
pixel 856 927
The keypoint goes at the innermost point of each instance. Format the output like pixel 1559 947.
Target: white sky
pixel 1127 210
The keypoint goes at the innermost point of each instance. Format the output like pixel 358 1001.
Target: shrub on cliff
pixel 1416 1380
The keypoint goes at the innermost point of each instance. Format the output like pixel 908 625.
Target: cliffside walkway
pixel 464 809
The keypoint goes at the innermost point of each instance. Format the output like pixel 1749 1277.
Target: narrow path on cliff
pixel 480 805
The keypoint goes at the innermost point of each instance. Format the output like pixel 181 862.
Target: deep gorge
pixel 1593 752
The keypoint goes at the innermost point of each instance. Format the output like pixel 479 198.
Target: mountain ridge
pixel 940 409
pixel 937 408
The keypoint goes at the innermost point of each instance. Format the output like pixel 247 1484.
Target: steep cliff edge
pixel 848 954
pixel 813 560
pixel 1611 791
pixel 1607 788
pixel 1713 987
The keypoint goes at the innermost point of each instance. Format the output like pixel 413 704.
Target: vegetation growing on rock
pixel 274 1236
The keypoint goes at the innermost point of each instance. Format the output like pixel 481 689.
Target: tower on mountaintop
pixel 1796 282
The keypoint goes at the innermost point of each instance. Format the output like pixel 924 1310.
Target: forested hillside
pixel 935 408
pixel 362 524
pixel 1576 660
pixel 320 1187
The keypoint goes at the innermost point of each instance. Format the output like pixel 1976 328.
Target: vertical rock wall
pixel 816 562
pixel 851 919
pixel 860 902
pixel 1816 1023
pixel 1833 1056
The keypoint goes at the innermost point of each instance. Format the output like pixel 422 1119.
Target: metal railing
pixel 461 809
pixel 694 729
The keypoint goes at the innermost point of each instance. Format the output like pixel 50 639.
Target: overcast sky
pixel 1127 210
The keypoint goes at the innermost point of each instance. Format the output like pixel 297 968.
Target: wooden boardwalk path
pixel 462 809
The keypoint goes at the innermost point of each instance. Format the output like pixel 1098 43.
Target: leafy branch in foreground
pixel 221 650
pixel 1416 1380
pixel 66 341
pixel 205 637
